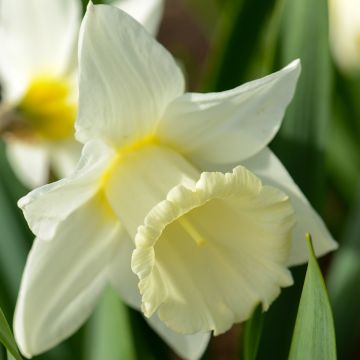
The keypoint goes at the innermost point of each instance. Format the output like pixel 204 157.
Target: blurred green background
pixel 221 44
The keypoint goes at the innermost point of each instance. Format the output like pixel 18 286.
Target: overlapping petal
pixel 126 78
pixel 232 125
pixel 37 37
pixel 269 168
pixel 46 207
pixel 146 12
pixel 208 254
pixel 64 277
pixel 64 157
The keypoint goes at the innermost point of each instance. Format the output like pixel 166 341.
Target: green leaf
pixel 252 334
pixel 343 156
pixel 303 136
pixel 314 334
pixel 109 331
pixel 245 30
pixel 15 237
pixel 7 338
pixel 343 283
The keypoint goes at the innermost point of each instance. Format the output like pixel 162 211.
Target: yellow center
pixel 47 109
pixel 143 172
pixel 121 154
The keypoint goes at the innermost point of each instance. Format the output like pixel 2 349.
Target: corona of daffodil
pixel 206 247
pixel 39 82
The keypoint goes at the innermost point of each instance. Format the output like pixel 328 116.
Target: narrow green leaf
pixel 343 156
pixel 252 334
pixel 302 139
pixel 109 331
pixel 7 338
pixel 343 283
pixel 243 27
pixel 15 238
pixel 9 356
pixel 314 334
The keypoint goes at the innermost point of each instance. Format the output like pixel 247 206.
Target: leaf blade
pixel 7 338
pixel 109 331
pixel 314 333
pixel 252 334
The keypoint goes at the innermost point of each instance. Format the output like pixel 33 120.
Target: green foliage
pixel 252 334
pixel 7 338
pixel 343 283
pixel 14 237
pixel 239 38
pixel 109 331
pixel 343 154
pixel 302 138
pixel 314 334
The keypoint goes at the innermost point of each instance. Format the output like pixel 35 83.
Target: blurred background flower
pixel 38 69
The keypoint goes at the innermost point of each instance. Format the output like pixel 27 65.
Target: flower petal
pixel 208 254
pixel 64 157
pixel 36 36
pixel 126 78
pixel 147 175
pixel 30 162
pixel 125 282
pixel 44 208
pixel 189 347
pixel 146 12
pixel 232 125
pixel 63 277
pixel 269 168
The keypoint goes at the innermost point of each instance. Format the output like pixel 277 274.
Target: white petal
pixel 232 125
pixel 44 208
pixel 125 282
pixel 63 278
pixel 64 157
pixel 146 12
pixel 208 254
pixel 37 37
pixel 189 347
pixel 126 78
pixel 146 175
pixel 30 162
pixel 269 168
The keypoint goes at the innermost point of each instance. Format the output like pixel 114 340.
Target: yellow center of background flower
pixel 47 108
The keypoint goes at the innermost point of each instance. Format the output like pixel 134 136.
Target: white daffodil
pixel 208 246
pixel 344 21
pixel 39 81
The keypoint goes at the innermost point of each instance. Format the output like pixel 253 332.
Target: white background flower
pixel 39 38
pixel 344 21
pixel 145 142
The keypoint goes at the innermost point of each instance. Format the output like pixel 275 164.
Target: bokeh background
pixel 220 45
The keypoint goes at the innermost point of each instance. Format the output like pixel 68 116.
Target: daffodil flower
pixel 344 21
pixel 39 82
pixel 206 246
